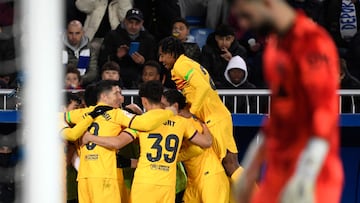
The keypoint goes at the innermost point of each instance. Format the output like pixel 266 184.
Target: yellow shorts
pixel 98 190
pixel 222 132
pixel 124 192
pixel 149 193
pixel 212 189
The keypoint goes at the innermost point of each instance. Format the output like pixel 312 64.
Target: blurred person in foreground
pixel 300 141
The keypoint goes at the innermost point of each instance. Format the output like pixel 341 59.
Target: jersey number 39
pixel 171 147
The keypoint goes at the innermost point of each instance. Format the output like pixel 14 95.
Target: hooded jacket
pixel 215 64
pixel 243 102
pixel 83 57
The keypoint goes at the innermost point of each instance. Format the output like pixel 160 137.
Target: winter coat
pixel 243 102
pixel 95 11
pixel 130 72
pixel 215 64
pixel 83 58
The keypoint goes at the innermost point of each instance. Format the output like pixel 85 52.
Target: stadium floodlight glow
pixel 41 23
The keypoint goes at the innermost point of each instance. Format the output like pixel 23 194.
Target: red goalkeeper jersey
pixel 302 71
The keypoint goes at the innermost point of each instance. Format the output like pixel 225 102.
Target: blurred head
pixel 151 93
pixel 224 36
pixel 256 14
pixel 151 71
pixel 110 71
pixel 90 95
pixel 171 97
pixel 109 92
pixel 72 100
pixel 74 32
pixel 170 48
pixel 72 77
pixel 180 29
pixel 133 21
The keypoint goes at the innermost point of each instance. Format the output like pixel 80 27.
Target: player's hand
pixel 86 138
pixel 122 51
pixel 298 190
pixel 122 162
pixel 99 110
pixel 138 58
pixel 226 55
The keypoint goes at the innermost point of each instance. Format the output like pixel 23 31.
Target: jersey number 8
pixel 171 145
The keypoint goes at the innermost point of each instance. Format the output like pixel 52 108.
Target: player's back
pixel 159 151
pixel 187 71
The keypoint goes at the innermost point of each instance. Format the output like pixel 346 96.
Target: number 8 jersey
pixel 159 150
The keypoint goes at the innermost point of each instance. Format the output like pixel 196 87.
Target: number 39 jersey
pixel 159 150
pixel 197 86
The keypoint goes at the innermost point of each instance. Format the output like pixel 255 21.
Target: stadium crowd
pixel 124 41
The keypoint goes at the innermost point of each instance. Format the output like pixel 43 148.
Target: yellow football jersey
pixel 159 151
pixel 200 166
pixel 197 86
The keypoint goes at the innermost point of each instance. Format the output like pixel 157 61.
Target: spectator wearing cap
pixel 102 16
pixel 220 47
pixel 117 44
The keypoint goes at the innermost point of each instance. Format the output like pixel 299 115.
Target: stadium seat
pixel 195 21
pixel 200 35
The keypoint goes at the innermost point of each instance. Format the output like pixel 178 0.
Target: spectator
pixel 7 54
pixel 220 47
pixel 116 47
pixel 78 52
pixel 342 20
pixel 102 16
pixel 348 82
pixel 159 16
pixel 236 78
pixel 181 31
pixel 111 71
pixel 151 71
pixel 72 78
pixel 353 56
pixel 212 9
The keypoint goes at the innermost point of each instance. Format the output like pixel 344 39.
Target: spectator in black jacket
pixel 220 47
pixel 348 82
pixel 236 78
pixel 116 47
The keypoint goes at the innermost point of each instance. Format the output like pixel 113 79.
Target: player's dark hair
pixel 172 45
pixel 90 95
pixel 151 90
pixel 173 96
pixel 70 96
pixel 104 86
pixel 181 20
pixel 154 64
